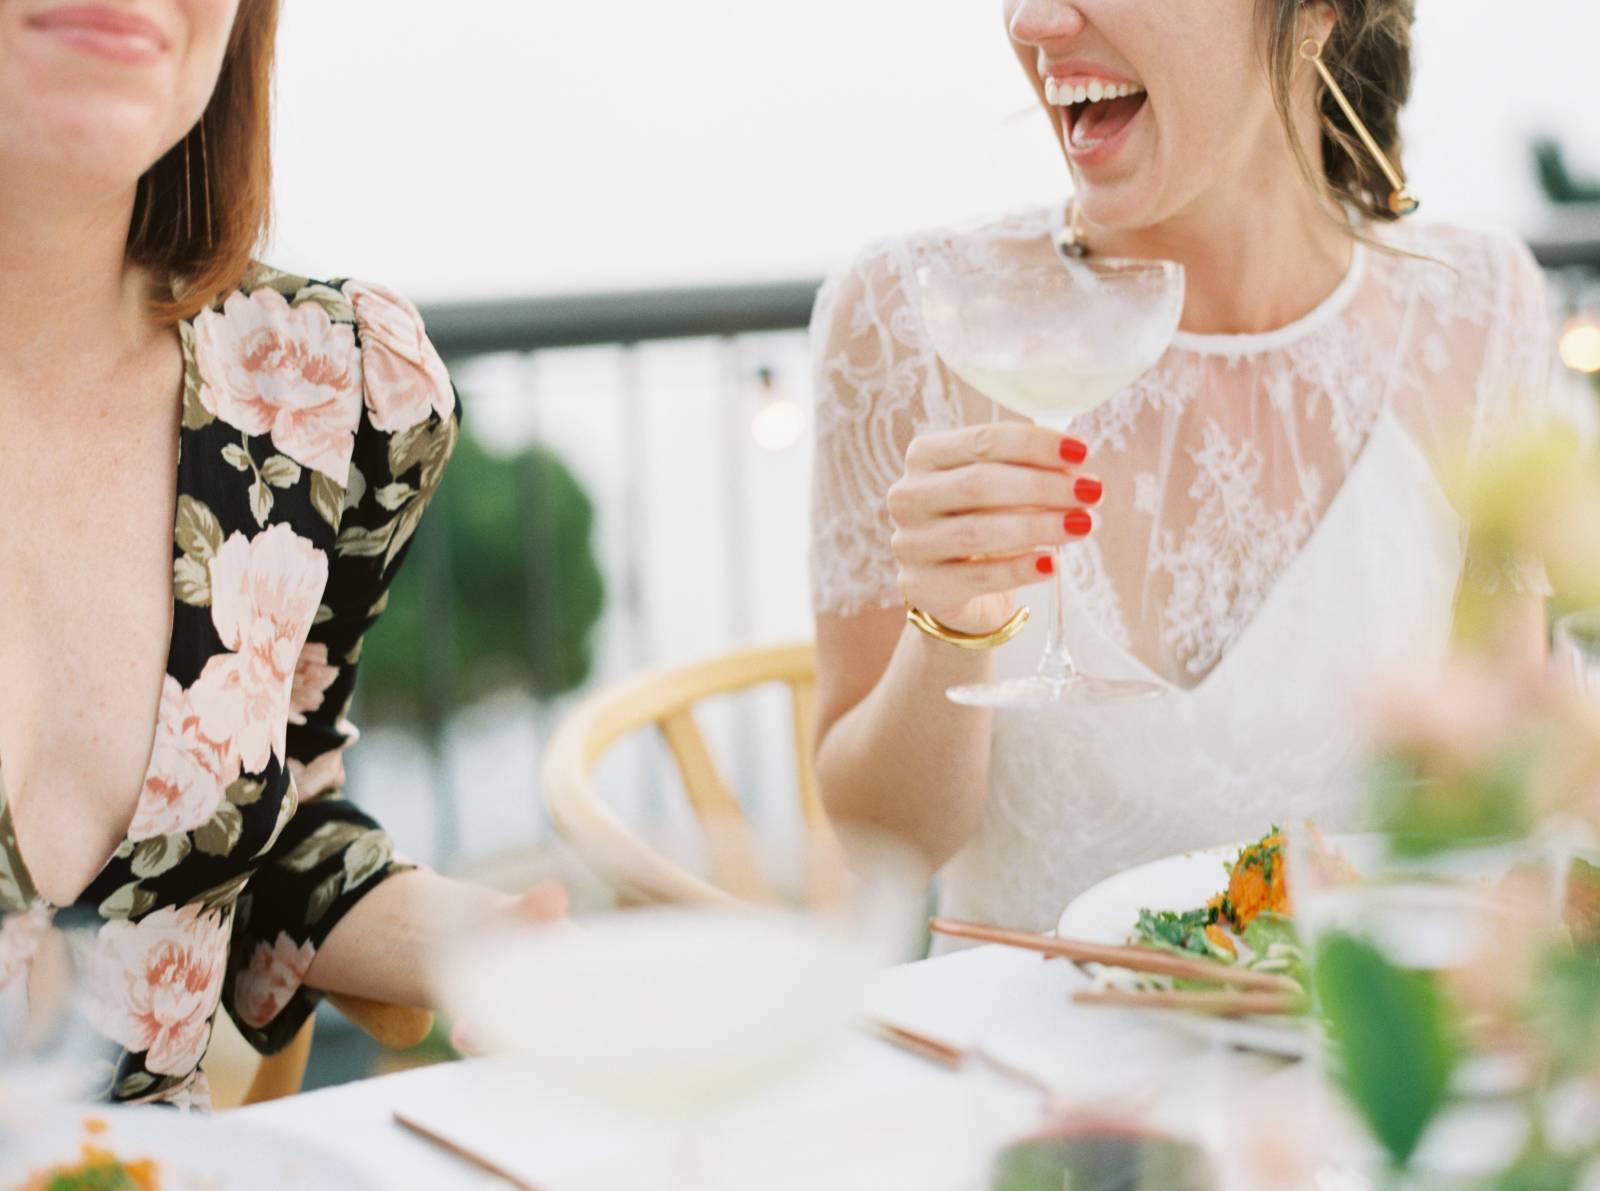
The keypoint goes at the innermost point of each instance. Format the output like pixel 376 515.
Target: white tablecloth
pixel 869 1116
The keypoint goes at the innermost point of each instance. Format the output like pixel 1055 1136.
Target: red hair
pixel 201 211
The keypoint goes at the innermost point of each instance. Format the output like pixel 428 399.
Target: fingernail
pixel 1073 451
pixel 1078 523
pixel 1045 565
pixel 1088 490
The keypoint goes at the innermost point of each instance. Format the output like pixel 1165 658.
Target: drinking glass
pixel 672 1013
pixel 52 1059
pixel 1051 342
pixel 1452 927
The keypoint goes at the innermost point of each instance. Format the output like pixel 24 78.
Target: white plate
pixel 196 1152
pixel 1109 912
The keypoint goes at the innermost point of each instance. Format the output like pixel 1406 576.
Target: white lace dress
pixel 1272 538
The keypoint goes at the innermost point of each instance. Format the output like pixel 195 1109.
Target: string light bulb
pixel 778 421
pixel 1580 343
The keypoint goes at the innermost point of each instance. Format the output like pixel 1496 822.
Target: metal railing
pixel 730 317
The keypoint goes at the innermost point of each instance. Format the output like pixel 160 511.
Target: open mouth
pixel 1096 110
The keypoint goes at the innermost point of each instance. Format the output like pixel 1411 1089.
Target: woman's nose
pixel 1038 22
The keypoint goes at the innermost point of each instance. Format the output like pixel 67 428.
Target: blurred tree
pixel 1557 180
pixel 508 547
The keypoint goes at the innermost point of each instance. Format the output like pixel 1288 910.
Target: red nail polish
pixel 1078 523
pixel 1088 490
pixel 1045 565
pixel 1073 451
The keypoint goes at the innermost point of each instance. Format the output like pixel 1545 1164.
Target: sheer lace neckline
pixel 1314 320
pixel 1257 343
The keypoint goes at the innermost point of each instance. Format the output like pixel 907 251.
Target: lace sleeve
pixel 877 386
pixel 1514 390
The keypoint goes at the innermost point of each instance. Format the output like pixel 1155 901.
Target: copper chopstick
pixel 457 1150
pixel 952 1057
pixel 1137 959
pixel 922 1045
pixel 1217 1004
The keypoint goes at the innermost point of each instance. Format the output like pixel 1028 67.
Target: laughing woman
pixel 1266 522
pixel 210 474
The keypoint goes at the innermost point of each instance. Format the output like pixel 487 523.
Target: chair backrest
pixel 665 699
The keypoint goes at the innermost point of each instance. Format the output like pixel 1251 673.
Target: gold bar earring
pixel 205 178
pixel 1402 199
pixel 188 194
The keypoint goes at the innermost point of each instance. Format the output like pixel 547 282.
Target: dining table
pixel 865 1114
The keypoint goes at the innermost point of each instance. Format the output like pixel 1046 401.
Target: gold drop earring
pixel 1402 199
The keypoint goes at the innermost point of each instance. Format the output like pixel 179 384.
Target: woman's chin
pixel 100 142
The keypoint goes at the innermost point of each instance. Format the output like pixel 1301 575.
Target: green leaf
pixel 135 1084
pixel 132 900
pixel 225 894
pixel 1425 816
pixel 236 455
pixel 322 845
pixel 281 472
pixel 221 835
pixel 401 529
pixel 246 791
pixel 327 498
pixel 260 501
pixel 355 541
pixel 365 857
pixel 286 811
pixel 392 496
pixel 16 890
pixel 356 488
pixel 332 301
pixel 1393 1038
pixel 191 582
pixel 195 415
pixel 1183 932
pixel 323 616
pixel 323 897
pixel 1275 946
pixel 1566 1006
pixel 159 855
pixel 198 533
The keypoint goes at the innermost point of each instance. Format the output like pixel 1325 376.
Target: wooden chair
pixel 395 1026
pixel 665 700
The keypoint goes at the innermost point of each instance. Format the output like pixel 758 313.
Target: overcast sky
pixel 488 147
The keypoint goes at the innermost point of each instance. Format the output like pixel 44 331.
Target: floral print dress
pixel 317 421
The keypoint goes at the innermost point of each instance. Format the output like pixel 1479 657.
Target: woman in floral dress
pixel 210 474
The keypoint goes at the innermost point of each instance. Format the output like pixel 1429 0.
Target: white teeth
pixel 1059 94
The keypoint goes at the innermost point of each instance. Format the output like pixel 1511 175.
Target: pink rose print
pixel 21 933
pixel 264 595
pixel 319 776
pixel 274 974
pixel 405 378
pixel 156 984
pixel 266 366
pixel 312 678
pixel 189 772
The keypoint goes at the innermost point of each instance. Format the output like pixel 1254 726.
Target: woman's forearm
pixel 907 760
pixel 384 949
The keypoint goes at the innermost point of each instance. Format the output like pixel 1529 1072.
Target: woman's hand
pixel 977 512
pixel 543 905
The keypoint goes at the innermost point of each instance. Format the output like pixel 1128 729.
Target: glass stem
pixel 1056 664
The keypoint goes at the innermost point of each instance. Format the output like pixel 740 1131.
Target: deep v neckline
pixel 1384 424
pixel 18 857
